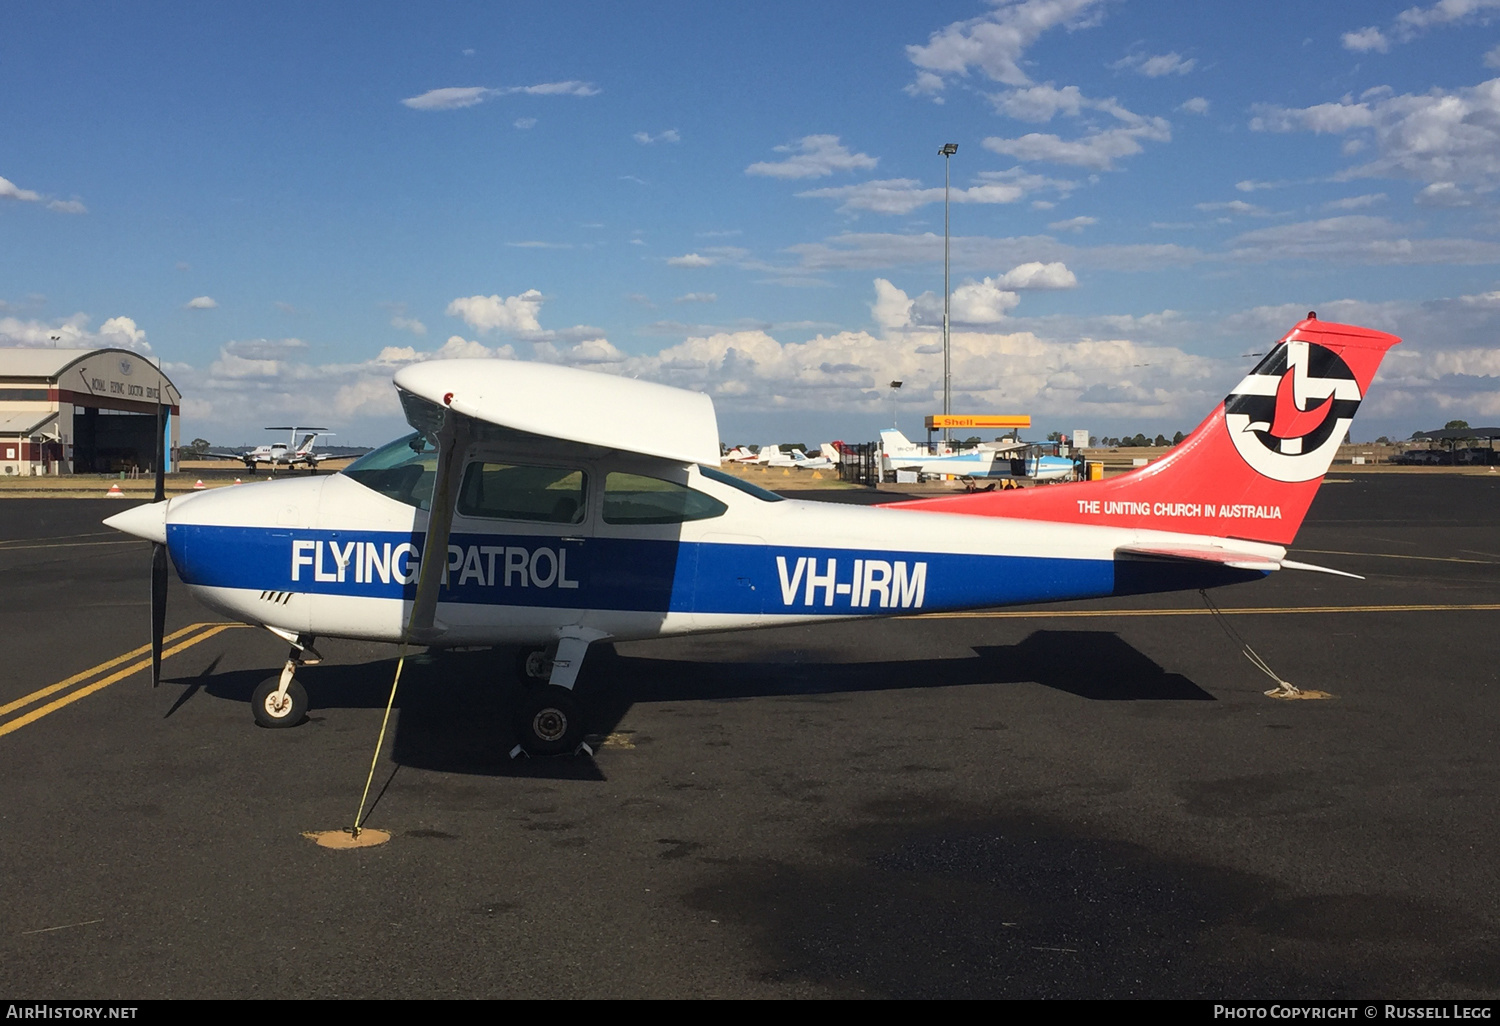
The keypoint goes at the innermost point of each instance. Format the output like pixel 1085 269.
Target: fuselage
pixel 333 557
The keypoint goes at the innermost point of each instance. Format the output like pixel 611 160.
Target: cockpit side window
pixel 507 491
pixel 637 499
pixel 403 470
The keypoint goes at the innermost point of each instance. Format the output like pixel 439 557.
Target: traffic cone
pixel 114 492
pixel 198 486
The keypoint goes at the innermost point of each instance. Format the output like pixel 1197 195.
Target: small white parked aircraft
pixel 772 456
pixel 552 508
pixel 797 459
pixel 283 454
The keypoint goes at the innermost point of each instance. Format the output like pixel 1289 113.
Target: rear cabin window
pixel 636 499
pixel 508 491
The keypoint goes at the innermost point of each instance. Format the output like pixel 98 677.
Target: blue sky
pixel 286 203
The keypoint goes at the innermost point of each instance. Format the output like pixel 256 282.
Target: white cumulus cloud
pixel 981 302
pixel 1366 39
pixel 449 98
pixel 9 190
pixel 1358 239
pixel 1073 224
pixel 1158 65
pixel 690 260
pixel 1442 135
pixel 1037 275
pixel 200 303
pixel 516 315
pixel 892 307
pixel 1097 148
pixel 813 156
pixel 903 195
pixel 994 43
pixel 458 97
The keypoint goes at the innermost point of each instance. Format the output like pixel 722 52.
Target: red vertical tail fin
pixel 1250 470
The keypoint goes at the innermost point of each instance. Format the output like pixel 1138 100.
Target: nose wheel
pixel 280 700
pixel 274 706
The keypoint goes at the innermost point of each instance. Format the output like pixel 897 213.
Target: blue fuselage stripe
pixel 628 574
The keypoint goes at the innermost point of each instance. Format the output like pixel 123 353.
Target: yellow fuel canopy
pixel 1002 421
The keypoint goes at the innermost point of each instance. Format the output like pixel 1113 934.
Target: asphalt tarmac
pixel 1089 800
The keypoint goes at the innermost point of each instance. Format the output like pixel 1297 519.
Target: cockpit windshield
pixel 403 470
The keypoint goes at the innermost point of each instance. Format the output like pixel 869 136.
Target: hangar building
pixel 66 411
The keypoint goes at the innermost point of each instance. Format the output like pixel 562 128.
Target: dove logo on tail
pixel 1287 418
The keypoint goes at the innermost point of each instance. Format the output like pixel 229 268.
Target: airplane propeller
pixel 159 556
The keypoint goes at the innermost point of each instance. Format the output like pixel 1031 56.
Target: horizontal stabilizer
pixel 1235 559
pixel 1238 560
pixel 1291 564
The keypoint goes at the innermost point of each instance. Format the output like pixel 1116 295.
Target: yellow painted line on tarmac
pixel 1255 611
pixel 1394 555
pixel 67 545
pixel 37 696
pixel 26 542
pixel 83 692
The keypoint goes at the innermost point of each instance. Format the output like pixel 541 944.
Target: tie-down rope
pixel 380 742
pixel 1283 688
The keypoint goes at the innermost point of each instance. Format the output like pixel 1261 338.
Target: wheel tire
pixel 293 711
pixel 550 723
pixel 533 668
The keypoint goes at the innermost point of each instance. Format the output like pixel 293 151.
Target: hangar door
pixel 105 441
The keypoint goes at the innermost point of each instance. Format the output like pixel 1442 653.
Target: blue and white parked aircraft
pixel 552 508
pixel 990 460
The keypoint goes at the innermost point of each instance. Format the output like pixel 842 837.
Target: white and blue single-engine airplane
pixel 994 460
pixel 551 508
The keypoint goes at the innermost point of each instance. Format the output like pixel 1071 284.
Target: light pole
pixel 894 385
pixel 947 152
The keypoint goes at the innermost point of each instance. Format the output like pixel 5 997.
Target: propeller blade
pixel 158 608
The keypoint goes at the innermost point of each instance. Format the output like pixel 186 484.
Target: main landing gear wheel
pixel 550 723
pixel 533 667
pixel 269 712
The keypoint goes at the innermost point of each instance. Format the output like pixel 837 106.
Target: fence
pixel 860 464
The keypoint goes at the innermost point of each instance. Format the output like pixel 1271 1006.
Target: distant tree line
pixel 1135 440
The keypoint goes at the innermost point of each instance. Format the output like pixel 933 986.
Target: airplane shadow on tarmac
pixel 456 707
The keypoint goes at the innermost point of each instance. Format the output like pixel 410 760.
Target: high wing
pixel 600 411
pixel 1004 448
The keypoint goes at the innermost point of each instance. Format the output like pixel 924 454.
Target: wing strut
pixel 453 442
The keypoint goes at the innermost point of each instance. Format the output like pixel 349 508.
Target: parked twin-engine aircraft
pixel 551 508
pixel 283 454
